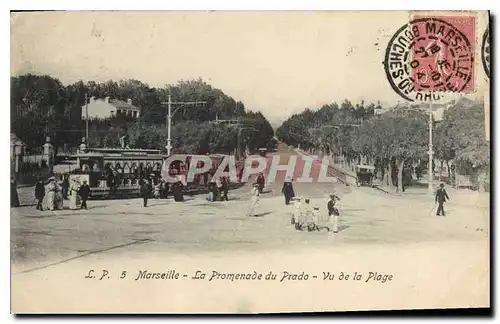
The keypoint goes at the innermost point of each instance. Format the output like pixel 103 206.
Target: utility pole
pixel 86 120
pixel 170 115
pixel 169 124
pixel 430 152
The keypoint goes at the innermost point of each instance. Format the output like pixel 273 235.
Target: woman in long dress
pixel 254 200
pixel 73 192
pixel 50 197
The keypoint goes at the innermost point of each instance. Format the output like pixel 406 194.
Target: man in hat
pixel 84 192
pixel 441 197
pixel 287 190
pixel 255 198
pixel 145 191
pixel 39 194
pixel 333 212
pixel 65 186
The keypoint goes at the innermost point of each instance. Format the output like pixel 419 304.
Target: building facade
pixel 106 108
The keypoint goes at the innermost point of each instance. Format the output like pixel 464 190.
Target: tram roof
pixel 123 156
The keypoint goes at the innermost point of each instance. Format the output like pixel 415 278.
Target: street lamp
pixel 430 151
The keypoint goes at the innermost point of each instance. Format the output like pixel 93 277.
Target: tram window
pixel 126 168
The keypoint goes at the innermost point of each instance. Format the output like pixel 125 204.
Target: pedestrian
pixel 225 188
pixel 51 194
pixel 313 223
pixel 254 200
pixel 287 190
pixel 84 192
pixel 74 191
pixel 213 190
pixel 59 200
pixel 261 182
pixel 441 197
pixel 14 197
pixel 296 212
pixel 65 186
pixel 305 214
pixel 453 176
pixel 39 194
pixel 333 213
pixel 163 189
pixel 157 189
pixel 177 189
pixel 110 182
pixel 145 191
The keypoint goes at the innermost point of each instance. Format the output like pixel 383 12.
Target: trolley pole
pixel 169 117
pixel 169 124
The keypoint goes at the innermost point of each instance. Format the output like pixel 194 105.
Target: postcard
pixel 249 162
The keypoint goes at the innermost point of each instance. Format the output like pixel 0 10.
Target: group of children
pixel 305 216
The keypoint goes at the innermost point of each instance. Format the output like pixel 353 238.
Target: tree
pixel 47 108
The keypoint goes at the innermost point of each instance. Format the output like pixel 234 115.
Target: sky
pixel 278 63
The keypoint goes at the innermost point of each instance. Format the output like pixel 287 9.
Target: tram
pixel 116 173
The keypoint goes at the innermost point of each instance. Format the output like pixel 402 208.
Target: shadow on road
pixel 262 214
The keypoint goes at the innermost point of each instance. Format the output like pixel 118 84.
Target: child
pixel 313 220
pixel 305 213
pixel 296 211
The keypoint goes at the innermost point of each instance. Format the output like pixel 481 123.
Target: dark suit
pixel 145 192
pixel 84 193
pixel 39 194
pixel 441 197
pixel 331 208
pixel 287 190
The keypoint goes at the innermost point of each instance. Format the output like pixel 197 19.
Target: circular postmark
pixel 429 56
pixel 485 52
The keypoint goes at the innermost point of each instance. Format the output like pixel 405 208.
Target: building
pixel 106 108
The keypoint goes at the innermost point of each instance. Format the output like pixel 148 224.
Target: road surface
pixel 374 226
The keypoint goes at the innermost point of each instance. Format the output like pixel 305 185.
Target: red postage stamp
pixel 432 55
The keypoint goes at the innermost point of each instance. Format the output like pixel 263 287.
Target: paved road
pixel 368 216
pixel 313 189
